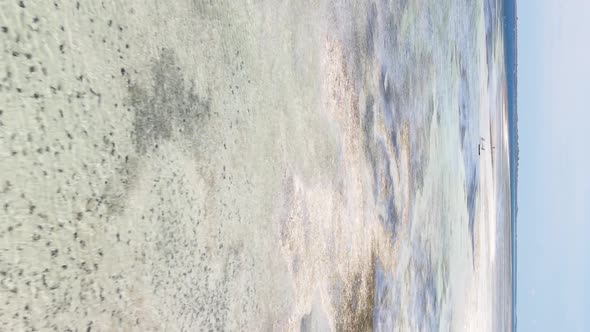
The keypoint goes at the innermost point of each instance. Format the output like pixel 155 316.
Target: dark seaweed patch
pixel 169 106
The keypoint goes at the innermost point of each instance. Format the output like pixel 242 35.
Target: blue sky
pixel 554 186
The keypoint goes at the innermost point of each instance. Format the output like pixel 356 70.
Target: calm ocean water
pixel 437 65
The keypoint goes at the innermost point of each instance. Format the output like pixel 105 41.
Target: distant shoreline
pixel 510 26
